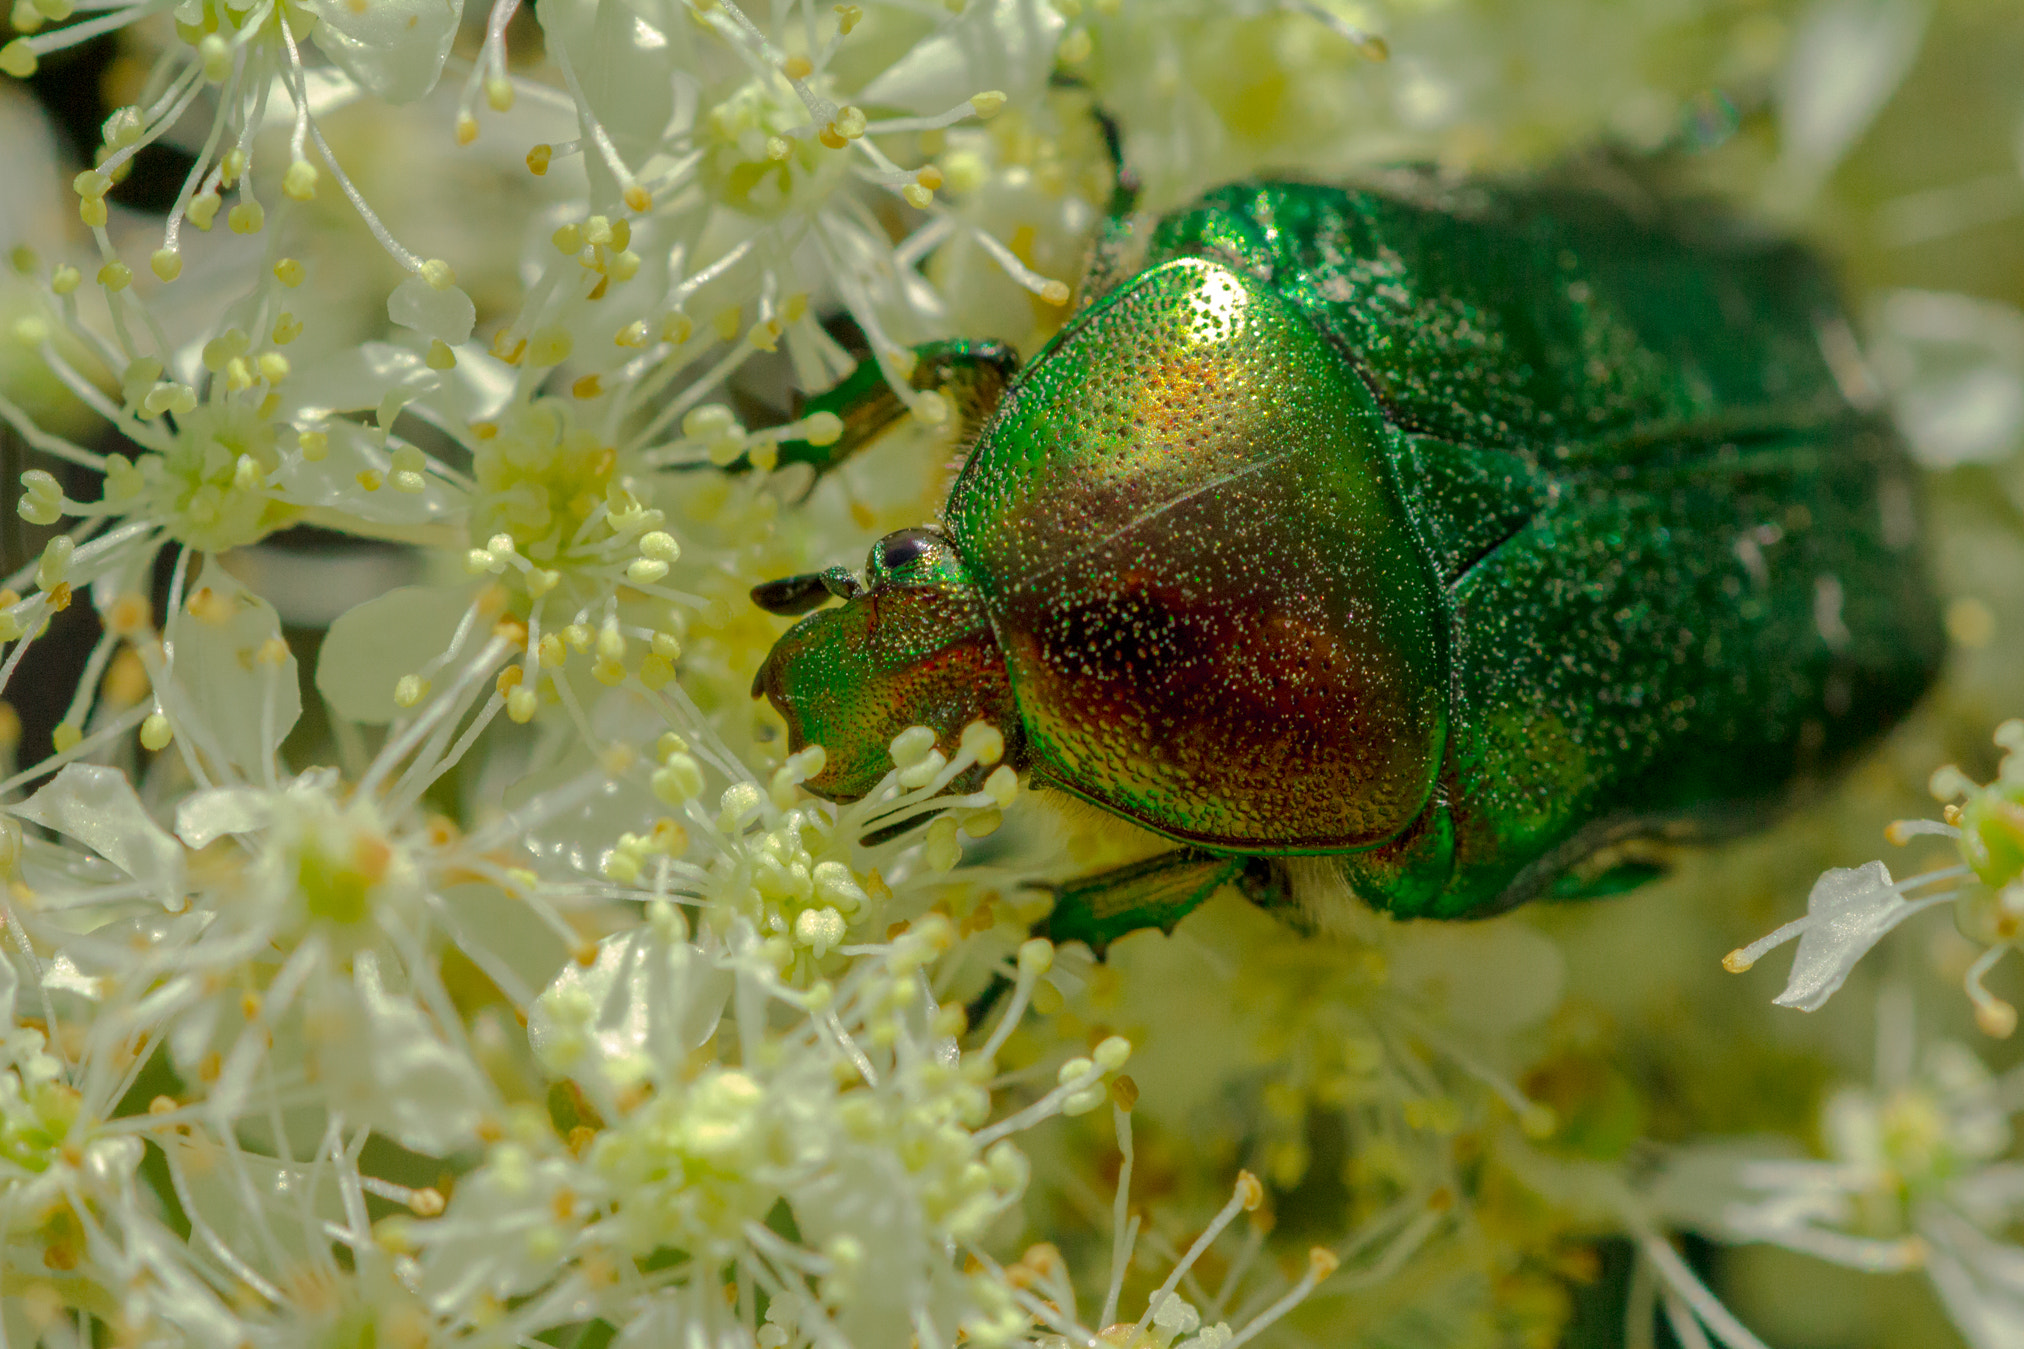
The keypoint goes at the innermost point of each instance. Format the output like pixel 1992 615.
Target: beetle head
pixel 911 646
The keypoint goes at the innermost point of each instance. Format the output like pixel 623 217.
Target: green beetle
pixel 1479 540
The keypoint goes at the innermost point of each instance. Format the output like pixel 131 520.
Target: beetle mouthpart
pixel 839 582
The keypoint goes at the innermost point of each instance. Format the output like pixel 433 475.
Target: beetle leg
pixel 1157 892
pixel 1624 865
pixel 1119 247
pixel 972 375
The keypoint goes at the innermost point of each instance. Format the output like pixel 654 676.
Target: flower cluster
pixel 411 929
pixel 1915 1179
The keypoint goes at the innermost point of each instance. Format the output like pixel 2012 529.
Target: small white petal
pixel 334 495
pixel 372 645
pixel 447 313
pixel 473 392
pixel 643 999
pixel 208 815
pixel 472 1261
pixel 383 1063
pixel 622 63
pixel 395 48
pixel 97 806
pixel 1006 45
pixel 1955 366
pixel 1847 59
pixel 1850 910
pixel 245 700
pixel 356 379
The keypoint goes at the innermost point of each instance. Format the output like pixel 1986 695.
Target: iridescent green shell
pixel 1469 536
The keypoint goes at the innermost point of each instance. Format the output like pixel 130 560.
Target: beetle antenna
pixel 792 594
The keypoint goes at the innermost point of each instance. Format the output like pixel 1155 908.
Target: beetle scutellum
pixel 1471 538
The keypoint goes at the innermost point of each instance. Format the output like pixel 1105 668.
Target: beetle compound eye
pixel 895 551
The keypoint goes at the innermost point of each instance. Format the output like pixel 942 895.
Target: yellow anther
pixel 216 54
pixel 299 182
pixel 156 733
pixel 1002 785
pixel 17 58
pixel 550 346
pixel 984 742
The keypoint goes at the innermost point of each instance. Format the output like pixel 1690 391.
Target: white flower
pixel 285 952
pixel 1914 1180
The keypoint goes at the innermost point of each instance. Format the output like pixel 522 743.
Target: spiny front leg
pixel 971 374
pixel 1157 892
